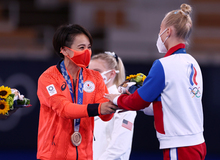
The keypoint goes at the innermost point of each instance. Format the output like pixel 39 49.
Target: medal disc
pixel 76 138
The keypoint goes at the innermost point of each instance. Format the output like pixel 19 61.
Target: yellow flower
pixel 144 78
pixel 133 76
pixel 4 92
pixel 128 77
pixel 138 78
pixel 4 107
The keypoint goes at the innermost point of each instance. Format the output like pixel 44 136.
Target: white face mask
pixel 160 44
pixel 104 76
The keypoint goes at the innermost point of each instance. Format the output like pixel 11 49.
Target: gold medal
pixel 76 138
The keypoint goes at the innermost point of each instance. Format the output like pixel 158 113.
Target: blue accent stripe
pixel 173 154
pixel 153 84
pixel 181 50
pixel 191 75
pixel 177 154
pixel 170 154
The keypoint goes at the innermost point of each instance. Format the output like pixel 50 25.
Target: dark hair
pixel 65 34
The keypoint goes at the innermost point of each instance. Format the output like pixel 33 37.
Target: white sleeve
pixel 115 100
pixel 121 137
pixel 148 110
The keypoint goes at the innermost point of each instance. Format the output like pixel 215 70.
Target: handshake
pixel 130 85
pixel 108 108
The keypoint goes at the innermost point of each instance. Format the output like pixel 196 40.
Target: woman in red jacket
pixel 70 96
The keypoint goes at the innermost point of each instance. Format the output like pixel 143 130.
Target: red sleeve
pixel 57 101
pixel 132 102
pixel 106 117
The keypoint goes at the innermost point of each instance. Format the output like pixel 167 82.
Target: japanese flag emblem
pixel 88 86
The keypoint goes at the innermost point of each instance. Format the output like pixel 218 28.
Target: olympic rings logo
pixel 195 91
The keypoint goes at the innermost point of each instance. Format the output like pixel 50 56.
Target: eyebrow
pixel 83 45
pixel 80 45
pixel 97 70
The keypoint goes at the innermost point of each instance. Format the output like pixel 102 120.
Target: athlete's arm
pixel 63 107
pixel 149 92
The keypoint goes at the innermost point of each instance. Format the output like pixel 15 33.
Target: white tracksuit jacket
pixel 112 141
pixel 174 85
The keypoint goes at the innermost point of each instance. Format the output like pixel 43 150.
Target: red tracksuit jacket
pixel 57 112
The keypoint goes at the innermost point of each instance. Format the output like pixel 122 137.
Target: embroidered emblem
pixel 63 87
pixel 193 75
pixel 127 124
pixel 51 90
pixel 194 89
pixel 88 86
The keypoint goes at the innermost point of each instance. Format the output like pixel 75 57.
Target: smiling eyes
pixel 82 47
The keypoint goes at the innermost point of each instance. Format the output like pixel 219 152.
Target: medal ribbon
pixel 80 90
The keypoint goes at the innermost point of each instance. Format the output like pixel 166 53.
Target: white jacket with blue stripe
pixel 174 85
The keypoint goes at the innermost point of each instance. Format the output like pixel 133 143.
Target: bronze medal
pixel 76 138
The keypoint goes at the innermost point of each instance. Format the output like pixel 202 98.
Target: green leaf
pixel 10 100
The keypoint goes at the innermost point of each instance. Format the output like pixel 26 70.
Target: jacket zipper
pixel 76 153
pixel 53 143
pixel 74 93
pixel 74 90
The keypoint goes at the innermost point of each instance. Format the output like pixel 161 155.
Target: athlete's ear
pixel 63 50
pixel 113 74
pixel 169 31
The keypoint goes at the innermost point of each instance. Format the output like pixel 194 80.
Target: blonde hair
pixel 180 20
pixel 113 63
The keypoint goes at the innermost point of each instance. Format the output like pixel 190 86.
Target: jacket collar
pixel 179 47
pixel 58 66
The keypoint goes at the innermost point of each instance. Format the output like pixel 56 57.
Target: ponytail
pixel 120 77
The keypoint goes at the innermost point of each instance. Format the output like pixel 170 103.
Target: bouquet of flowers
pixel 132 83
pixel 11 99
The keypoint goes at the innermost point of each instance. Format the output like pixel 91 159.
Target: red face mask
pixel 81 58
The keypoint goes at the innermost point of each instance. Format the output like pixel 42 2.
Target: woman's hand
pixel 108 108
pixel 128 92
pixel 111 96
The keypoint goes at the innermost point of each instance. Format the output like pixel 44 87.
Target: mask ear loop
pixel 166 39
pixel 106 71
pixel 163 33
pixel 115 74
